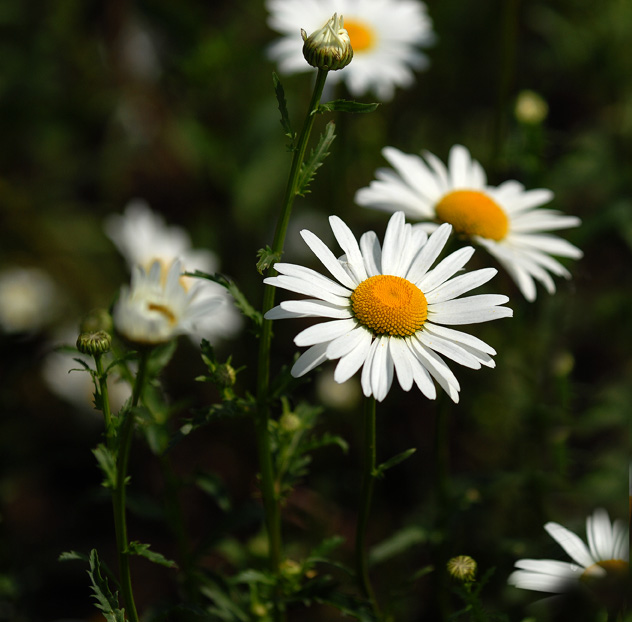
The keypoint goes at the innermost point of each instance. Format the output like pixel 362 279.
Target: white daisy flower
pixel 29 299
pixel 606 556
pixel 385 35
pixel 388 311
pixel 155 309
pixel 506 220
pixel 143 237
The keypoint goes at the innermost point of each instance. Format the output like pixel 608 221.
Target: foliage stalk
pixel 105 399
pixel 366 495
pixel 270 492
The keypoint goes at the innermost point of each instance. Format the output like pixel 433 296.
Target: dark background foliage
pixel 87 125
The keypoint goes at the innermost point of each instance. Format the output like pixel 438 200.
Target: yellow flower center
pixel 389 305
pixel 361 35
pixel 473 213
pixel 163 310
pixel 614 567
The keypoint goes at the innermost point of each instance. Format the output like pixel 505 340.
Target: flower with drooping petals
pixel 386 36
pixel 506 220
pixel 388 312
pixel 605 557
pixel 143 237
pixel 155 310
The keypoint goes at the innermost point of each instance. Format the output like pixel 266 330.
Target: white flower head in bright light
pixel 606 556
pixel 387 310
pixel 143 237
pixel 385 35
pixel 154 309
pixel 506 220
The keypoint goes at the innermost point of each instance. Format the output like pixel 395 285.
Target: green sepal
pixel 106 460
pixel 316 158
pixel 345 105
pixel 266 259
pixel 285 117
pixel 391 462
pixel 241 302
pixel 142 550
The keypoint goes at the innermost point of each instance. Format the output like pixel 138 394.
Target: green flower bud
pixel 531 108
pixel 225 375
pixel 330 47
pixel 93 343
pixel 290 422
pixel 462 568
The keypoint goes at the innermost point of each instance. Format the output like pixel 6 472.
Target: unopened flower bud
pixel 330 47
pixel 462 568
pixel 225 375
pixel 531 108
pixel 290 422
pixel 93 343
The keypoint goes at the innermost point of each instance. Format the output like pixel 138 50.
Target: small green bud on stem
pixel 330 47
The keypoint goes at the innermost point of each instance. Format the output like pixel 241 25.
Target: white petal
pixel 365 378
pixel 445 269
pixel 302 286
pixel 469 310
pixel 324 332
pixel 401 356
pixel 429 253
pixel 599 532
pixel 394 242
pixel 347 342
pixel 301 272
pixel 327 258
pixel 450 349
pixel 353 360
pixel 571 543
pixel 437 368
pixel 381 369
pixel 459 285
pixel 309 360
pixel 313 308
pixel 349 245
pixel 372 253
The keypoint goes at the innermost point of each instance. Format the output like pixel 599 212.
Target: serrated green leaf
pixel 107 463
pixel 241 302
pixel 106 601
pixel 395 460
pixel 316 158
pixel 142 550
pixel 345 105
pixel 266 259
pixel 285 117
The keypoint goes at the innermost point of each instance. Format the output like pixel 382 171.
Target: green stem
pixel 105 399
pixel 269 487
pixel 366 494
pixel 118 496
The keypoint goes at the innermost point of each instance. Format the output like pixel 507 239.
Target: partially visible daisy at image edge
pixel 386 36
pixel 143 237
pixel 388 310
pixel 606 556
pixel 506 220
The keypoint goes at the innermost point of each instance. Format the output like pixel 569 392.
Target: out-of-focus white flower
pixel 143 237
pixel 156 309
pixel 506 220
pixel 386 36
pixel 28 299
pixel 387 311
pixel 607 554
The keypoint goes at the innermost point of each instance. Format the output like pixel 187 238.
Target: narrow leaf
pixel 316 159
pixel 67 556
pixel 142 550
pixel 107 602
pixel 345 105
pixel 395 460
pixel 107 463
pixel 399 542
pixel 285 117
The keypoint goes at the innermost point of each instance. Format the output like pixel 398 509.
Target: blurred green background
pixel 173 103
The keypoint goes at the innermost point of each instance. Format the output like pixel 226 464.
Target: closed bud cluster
pixel 330 47
pixel 94 343
pixel 462 568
